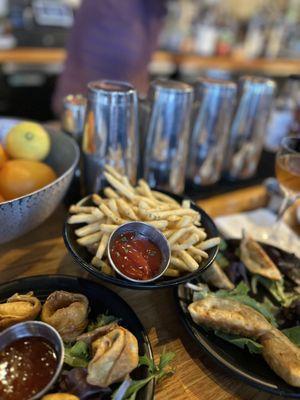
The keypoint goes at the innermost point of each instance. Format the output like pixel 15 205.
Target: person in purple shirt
pixel 111 39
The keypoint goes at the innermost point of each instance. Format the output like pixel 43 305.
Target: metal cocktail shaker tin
pixel 213 108
pixel 248 127
pixel 110 132
pixel 167 134
pixel 72 119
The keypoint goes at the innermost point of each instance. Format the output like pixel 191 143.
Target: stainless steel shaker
pixel 72 118
pixel 110 132
pixel 167 134
pixel 212 112
pixel 248 127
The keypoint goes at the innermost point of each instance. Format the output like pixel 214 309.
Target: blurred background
pixel 215 38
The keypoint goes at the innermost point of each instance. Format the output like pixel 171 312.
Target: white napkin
pixel 258 224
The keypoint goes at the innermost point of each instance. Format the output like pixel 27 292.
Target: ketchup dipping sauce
pixel 136 256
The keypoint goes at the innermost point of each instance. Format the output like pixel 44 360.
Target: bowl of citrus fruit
pixel 36 168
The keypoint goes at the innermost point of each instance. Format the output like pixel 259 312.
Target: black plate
pixel 83 257
pixel 101 300
pixel 250 368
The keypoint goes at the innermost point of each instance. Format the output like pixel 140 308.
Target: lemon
pixel 29 141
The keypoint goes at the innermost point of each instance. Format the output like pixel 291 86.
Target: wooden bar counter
pixel 273 67
pixel 42 251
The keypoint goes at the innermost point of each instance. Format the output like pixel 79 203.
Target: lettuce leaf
pixel 102 320
pixel 77 355
pixel 244 343
pixel 275 288
pixel 293 334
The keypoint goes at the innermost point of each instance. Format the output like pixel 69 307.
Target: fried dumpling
pixel 114 356
pixel 19 308
pixel 60 396
pixel 67 313
pixel 229 316
pixel 215 276
pixel 257 260
pixel 91 336
pixel 282 355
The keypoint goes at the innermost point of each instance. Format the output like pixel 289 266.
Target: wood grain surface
pixel 274 67
pixel 42 251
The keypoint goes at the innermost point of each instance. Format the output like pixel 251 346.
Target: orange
pixel 1 198
pixel 21 177
pixel 3 156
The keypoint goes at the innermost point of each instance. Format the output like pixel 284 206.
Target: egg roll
pixel 115 355
pixel 282 355
pixel 67 313
pixel 19 308
pixel 215 276
pixel 229 316
pixel 256 260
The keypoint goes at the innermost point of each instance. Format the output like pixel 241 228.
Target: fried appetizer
pixel 60 396
pixel 91 336
pixel 67 313
pixel 229 316
pixel 19 308
pixel 282 355
pixel 114 356
pixel 215 276
pixel 257 260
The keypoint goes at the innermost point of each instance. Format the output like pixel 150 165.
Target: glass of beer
pixel 288 171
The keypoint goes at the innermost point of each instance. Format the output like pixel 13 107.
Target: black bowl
pixel 101 299
pixel 250 368
pixel 84 258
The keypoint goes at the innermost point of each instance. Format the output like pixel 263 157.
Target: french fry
pixel 120 187
pixel 75 209
pixel 164 198
pixel 83 218
pixel 188 259
pixel 208 244
pixel 103 266
pixel 102 245
pixel 192 239
pixel 96 199
pixel 195 251
pixel 110 193
pixel 113 172
pixel 185 221
pixel 107 211
pixel 172 272
pixel 87 229
pixel 112 204
pixel 186 203
pixel 108 228
pixel 97 213
pixel 177 235
pixel 146 189
pixel 126 209
pixel 90 239
pixel 179 264
pixel 158 224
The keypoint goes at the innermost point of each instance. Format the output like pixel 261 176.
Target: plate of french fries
pixel 191 233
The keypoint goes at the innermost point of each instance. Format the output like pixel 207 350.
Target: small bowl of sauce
pixel 139 252
pixel 31 359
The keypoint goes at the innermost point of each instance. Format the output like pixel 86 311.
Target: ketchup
pixel 136 256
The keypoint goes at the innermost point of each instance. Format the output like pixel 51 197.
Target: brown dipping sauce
pixel 136 256
pixel 27 365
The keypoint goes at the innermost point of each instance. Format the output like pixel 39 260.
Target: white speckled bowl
pixel 20 215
